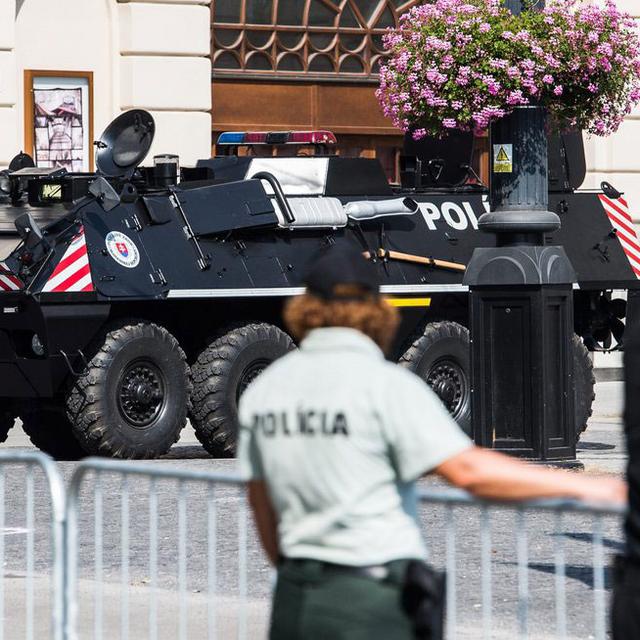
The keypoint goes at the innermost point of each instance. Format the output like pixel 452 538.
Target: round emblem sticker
pixel 122 249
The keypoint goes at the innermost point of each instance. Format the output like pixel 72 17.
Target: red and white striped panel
pixel 73 272
pixel 619 216
pixel 8 282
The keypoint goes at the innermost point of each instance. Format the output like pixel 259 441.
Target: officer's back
pixel 339 447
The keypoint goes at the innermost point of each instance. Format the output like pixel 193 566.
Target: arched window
pixel 324 38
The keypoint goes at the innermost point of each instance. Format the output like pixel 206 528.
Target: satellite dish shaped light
pixel 21 161
pixel 125 143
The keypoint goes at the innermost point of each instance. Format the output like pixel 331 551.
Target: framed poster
pixel 59 119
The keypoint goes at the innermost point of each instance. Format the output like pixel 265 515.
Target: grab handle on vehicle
pixel 279 193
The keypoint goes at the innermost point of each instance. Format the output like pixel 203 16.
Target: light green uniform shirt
pixel 340 436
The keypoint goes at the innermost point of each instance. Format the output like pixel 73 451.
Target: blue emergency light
pixel 231 137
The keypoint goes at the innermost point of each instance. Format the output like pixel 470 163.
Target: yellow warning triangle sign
pixel 502 156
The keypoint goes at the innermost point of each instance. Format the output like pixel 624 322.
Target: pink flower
pixel 466 63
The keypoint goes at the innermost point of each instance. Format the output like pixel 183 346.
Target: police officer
pixel 332 441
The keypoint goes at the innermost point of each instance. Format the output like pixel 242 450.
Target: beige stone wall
pixel 8 89
pixel 616 159
pixel 145 54
pixel 165 68
pixel 83 37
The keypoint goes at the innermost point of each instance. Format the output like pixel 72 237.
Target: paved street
pixel 600 450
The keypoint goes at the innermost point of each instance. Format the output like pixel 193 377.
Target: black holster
pixel 423 599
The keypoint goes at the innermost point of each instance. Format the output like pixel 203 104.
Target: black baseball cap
pixel 335 265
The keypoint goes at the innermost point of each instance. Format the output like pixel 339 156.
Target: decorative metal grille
pixel 303 38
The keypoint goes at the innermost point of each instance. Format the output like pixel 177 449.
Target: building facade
pixel 68 67
pixel 312 64
pixel 614 159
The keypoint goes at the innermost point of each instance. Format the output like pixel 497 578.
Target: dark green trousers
pixel 314 602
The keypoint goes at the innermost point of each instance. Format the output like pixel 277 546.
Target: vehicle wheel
pixel 583 384
pixel 7 419
pixel 50 431
pixel 441 357
pixel 222 373
pixel 132 400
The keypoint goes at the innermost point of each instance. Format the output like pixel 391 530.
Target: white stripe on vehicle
pixel 12 286
pixel 297 291
pixel 85 281
pixel 10 280
pixel 65 274
pixel 625 230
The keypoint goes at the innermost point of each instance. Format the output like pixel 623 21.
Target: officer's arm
pixel 492 475
pixel 265 518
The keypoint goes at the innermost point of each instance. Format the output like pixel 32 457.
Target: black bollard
pixel 521 312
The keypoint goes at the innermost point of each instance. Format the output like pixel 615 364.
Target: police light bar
pixel 240 138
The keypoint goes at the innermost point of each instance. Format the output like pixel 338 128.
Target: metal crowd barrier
pixel 32 530
pixel 179 555
pixel 146 550
pixel 552 532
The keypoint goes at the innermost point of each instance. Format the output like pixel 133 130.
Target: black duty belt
pixel 378 572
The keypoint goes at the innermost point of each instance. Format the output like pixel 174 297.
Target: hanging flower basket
pixel 461 64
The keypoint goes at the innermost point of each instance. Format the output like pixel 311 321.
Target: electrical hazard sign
pixel 503 158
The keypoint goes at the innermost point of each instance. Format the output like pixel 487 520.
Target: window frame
pixel 367 55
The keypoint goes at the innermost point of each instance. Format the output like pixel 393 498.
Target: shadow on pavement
pixel 594 446
pixel 608 543
pixel 186 452
pixel 581 573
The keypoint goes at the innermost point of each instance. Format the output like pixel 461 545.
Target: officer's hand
pixel 613 491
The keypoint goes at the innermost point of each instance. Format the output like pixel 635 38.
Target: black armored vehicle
pixel 140 296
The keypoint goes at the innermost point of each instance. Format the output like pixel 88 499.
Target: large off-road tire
pixel 222 373
pixel 584 382
pixel 132 400
pixel 7 418
pixel 441 356
pixel 49 430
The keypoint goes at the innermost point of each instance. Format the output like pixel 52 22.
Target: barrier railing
pixel 550 537
pixel 143 550
pixel 180 516
pixel 32 531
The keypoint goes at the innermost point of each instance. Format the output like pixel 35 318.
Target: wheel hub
pixel 141 396
pixel 250 374
pixel 446 390
pixel 447 379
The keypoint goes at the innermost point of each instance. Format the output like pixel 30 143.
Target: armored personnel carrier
pixel 138 297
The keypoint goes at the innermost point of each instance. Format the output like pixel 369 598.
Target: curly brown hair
pixel 371 315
